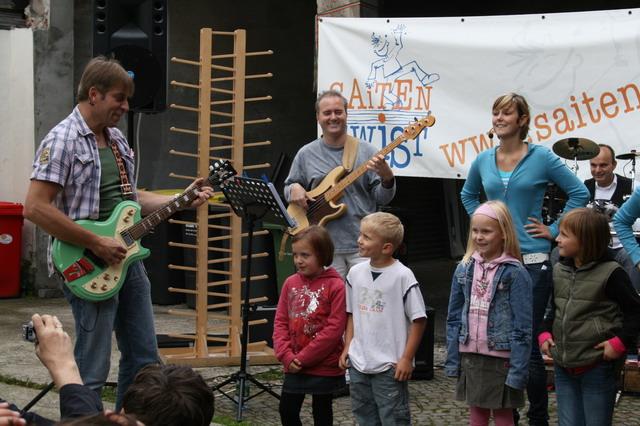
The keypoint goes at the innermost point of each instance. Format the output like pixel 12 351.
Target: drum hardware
pixel 630 156
pixel 606 207
pixel 553 203
pixel 576 149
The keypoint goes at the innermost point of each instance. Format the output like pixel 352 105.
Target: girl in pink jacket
pixel 308 329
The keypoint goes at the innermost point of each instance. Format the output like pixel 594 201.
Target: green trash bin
pixel 284 267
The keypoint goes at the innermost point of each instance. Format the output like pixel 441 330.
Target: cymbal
pixel 629 155
pixel 576 149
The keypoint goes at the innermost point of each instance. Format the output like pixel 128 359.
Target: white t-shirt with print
pixel 384 302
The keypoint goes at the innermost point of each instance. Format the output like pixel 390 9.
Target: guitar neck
pixel 152 220
pixel 336 190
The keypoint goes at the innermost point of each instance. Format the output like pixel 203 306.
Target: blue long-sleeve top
pixel 622 222
pixel 524 193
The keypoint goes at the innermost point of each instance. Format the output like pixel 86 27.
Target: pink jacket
pixel 479 306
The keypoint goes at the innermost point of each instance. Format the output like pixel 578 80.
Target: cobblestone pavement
pixel 431 400
pixel 431 403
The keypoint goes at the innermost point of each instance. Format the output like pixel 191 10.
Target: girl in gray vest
pixel 595 318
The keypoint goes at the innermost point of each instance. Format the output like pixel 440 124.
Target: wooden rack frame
pixel 212 142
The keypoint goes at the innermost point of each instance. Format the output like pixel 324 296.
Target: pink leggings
pixel 501 416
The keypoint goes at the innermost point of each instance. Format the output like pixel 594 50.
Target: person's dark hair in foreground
pixel 106 418
pixel 169 395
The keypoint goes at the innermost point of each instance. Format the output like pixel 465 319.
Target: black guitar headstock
pixel 220 171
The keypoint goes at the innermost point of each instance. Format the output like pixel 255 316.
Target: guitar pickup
pixel 127 238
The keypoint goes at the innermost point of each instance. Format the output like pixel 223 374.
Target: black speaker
pixel 136 33
pixel 260 332
pixel 424 354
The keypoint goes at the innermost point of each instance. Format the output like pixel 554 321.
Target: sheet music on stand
pixel 248 194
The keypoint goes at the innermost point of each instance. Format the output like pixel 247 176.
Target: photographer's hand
pixel 10 417
pixel 55 351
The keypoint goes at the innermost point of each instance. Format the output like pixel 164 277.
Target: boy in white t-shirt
pixel 385 321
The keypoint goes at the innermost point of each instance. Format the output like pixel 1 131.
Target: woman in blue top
pixel 517 173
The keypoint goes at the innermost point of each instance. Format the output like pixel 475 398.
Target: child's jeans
pixel 378 399
pixel 586 398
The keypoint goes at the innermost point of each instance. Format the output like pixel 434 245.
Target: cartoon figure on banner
pixel 391 67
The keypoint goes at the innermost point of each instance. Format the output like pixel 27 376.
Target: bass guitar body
pixel 87 275
pixel 322 209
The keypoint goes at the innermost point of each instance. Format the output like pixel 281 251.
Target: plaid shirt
pixel 69 156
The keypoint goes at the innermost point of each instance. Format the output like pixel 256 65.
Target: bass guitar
pixel 91 278
pixel 324 209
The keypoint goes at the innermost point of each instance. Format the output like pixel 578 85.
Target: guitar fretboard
pixel 149 222
pixel 139 229
pixel 334 192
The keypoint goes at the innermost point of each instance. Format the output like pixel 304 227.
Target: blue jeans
pixel 130 314
pixel 586 398
pixel 378 399
pixel 541 277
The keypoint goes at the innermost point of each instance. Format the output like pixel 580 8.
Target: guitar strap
pixel 349 153
pixel 125 187
pixel 348 161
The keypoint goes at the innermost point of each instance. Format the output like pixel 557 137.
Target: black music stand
pixel 251 199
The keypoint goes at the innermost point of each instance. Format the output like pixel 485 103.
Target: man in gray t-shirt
pixel 316 159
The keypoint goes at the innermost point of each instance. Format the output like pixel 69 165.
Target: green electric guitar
pixel 91 278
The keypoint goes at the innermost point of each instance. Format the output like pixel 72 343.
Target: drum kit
pixel 580 149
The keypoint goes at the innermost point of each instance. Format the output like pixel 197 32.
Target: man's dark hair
pixel 104 73
pixel 169 395
pixel 611 151
pixel 100 419
pixel 330 94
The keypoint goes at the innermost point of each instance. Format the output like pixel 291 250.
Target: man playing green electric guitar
pixel 83 169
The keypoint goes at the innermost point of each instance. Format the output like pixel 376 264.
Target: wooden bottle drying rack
pixel 221 122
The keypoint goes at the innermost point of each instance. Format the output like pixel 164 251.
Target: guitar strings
pixel 190 194
pixel 349 178
pixel 322 201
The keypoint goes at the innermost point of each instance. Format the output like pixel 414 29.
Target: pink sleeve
pixel 617 345
pixel 542 337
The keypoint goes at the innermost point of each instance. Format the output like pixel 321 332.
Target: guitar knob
pixel 94 285
pixel 104 287
pixel 125 219
pixel 130 212
pixel 115 279
pixel 106 276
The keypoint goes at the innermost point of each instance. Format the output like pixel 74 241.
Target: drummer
pixel 609 186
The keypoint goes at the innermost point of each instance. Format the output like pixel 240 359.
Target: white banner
pixel 578 71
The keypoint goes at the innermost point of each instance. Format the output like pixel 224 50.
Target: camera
pixel 29 333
